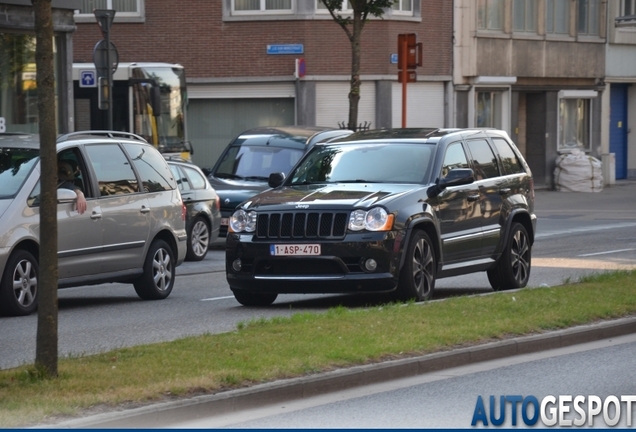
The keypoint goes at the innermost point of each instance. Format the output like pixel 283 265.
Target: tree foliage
pixel 353 24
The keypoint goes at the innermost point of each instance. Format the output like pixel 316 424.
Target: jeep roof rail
pixel 106 133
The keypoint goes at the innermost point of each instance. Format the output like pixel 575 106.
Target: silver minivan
pixel 132 231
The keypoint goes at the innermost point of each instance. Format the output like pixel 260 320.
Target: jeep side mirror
pixel 276 179
pixel 455 177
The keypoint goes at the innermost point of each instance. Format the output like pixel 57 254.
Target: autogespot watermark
pixel 562 410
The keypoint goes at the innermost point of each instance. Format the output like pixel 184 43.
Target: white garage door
pixel 424 104
pixel 332 103
pixel 213 123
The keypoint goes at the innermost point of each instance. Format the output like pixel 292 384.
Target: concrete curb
pixel 164 414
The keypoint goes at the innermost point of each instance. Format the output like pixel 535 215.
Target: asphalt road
pixel 578 234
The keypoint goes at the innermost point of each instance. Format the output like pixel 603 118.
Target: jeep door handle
pixel 504 191
pixel 473 197
pixel 144 209
pixel 96 215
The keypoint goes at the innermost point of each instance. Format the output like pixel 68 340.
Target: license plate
pixel 294 250
pixel 225 221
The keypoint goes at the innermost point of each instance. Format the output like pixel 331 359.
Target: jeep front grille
pixel 306 225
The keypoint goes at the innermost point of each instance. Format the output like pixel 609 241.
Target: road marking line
pixel 584 264
pixel 582 229
pixel 607 252
pixel 217 298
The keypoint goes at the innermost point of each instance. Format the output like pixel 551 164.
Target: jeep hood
pixel 332 195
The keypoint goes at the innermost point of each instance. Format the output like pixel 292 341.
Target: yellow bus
pixel 149 99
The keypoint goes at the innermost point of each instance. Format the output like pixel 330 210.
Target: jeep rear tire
pixel 513 269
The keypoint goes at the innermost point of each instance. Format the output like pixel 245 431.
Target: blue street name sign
pixel 87 78
pixel 394 58
pixel 286 49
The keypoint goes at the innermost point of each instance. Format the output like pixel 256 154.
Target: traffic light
pixel 409 51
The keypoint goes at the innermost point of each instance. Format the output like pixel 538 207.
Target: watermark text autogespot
pixel 562 410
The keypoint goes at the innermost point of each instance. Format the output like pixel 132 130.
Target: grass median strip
pixel 268 349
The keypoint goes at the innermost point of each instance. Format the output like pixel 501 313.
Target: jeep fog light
pixel 236 265
pixel 370 265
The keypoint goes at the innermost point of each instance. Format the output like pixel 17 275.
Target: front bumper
pixel 338 269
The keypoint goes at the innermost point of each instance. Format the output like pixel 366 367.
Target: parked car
pixel 203 217
pixel 133 229
pixel 387 211
pixel 246 163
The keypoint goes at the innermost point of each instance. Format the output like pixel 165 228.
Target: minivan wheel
pixel 248 298
pixel 513 269
pixel 19 285
pixel 199 240
pixel 417 278
pixel 158 278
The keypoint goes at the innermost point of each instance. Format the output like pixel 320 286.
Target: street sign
pixel 87 78
pixel 394 58
pixel 100 54
pixel 104 19
pixel 301 68
pixel 286 49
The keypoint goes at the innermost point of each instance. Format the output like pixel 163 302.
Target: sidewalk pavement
pixel 165 414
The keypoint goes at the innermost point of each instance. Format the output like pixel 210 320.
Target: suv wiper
pixel 356 181
pixel 228 176
pixel 256 178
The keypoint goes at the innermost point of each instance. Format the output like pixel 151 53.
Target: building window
pixel 557 19
pixel 277 6
pixel 346 6
pixel 490 14
pixel 589 11
pixel 123 8
pixel 489 109
pixel 574 124
pixel 524 15
pixel 628 7
pixel 403 6
pixel 18 84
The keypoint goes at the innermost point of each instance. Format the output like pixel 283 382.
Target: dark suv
pixel 244 167
pixel 387 211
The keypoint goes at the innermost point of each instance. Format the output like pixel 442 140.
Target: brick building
pixel 234 82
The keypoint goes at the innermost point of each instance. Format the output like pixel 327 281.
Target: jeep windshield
pixel 365 163
pixel 15 165
pixel 256 163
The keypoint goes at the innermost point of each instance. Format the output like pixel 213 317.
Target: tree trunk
pixel 354 93
pixel 46 355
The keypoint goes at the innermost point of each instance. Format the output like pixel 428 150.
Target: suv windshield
pixel 15 165
pixel 256 162
pixel 362 163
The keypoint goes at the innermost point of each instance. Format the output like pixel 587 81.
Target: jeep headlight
pixel 375 219
pixel 243 221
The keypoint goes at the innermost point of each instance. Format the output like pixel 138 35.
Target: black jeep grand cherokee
pixel 387 210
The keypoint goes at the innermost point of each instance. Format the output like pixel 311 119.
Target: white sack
pixel 577 172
